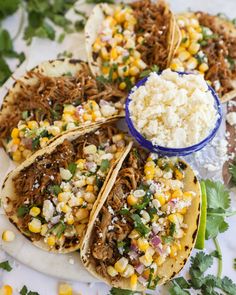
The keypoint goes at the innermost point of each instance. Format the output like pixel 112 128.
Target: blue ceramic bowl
pixel 165 151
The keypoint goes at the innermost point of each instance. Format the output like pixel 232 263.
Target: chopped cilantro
pixel 72 168
pixel 118 291
pixel 139 225
pixel 104 165
pixel 172 229
pixel 124 211
pixel 5 265
pixel 144 201
pixel 167 239
pixel 54 189
pixel 58 229
pixel 22 210
pixel 25 115
pixel 102 79
pixel 145 73
pixel 24 291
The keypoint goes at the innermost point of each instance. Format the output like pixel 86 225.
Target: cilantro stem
pixel 220 261
pixel 21 23
pixel 227 214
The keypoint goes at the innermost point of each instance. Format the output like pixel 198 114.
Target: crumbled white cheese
pixel 176 111
pixel 48 209
pixel 231 118
pixel 65 174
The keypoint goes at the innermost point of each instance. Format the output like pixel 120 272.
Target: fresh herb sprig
pixel 6 266
pixel 25 291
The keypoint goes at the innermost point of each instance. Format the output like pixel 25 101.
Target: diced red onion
pixel 155 241
pixel 139 269
pixel 142 280
pixel 133 255
pixel 79 111
pixel 133 247
pixel 27 142
pixel 155 229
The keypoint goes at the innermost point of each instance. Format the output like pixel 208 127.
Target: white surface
pixel 21 275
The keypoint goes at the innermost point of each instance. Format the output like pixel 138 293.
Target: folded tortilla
pixel 141 34
pixel 55 97
pixel 51 196
pixel 144 229
pixel 217 41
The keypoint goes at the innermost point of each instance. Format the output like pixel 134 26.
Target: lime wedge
pixel 202 227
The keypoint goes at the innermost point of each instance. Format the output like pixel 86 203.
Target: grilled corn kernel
pixel 203 67
pixel 160 260
pixel 15 133
pixel 118 37
pixel 114 53
pixel 8 236
pixel 185 42
pixel 33 125
pixel 173 251
pixel 35 226
pixel 16 141
pixel 6 290
pixel 184 55
pixel 133 71
pixel 96 46
pixel 128 272
pixel 178 174
pixel 16 156
pixel 122 85
pixel 51 241
pixel 35 211
pixel 26 153
pixel 176 218
pixel 82 213
pixel 105 70
pixel 65 208
pixel 133 281
pixel 104 53
pixel 192 63
pixel 177 194
pixel 112 271
pixel 44 230
pixel 160 198
pixel 143 244
pixel 44 124
pixel 131 200
pixel 175 66
pixel 89 188
pixel 194 48
pixel 70 220
pixel 146 260
pixel 114 76
pixel 121 264
pixel 89 197
pixel 87 117
pixel 63 197
pixel 140 39
pixel 65 289
pixel 134 234
pixel 80 164
pixel 69 109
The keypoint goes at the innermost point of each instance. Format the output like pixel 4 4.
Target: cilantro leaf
pixel 139 226
pixel 175 289
pixel 8 7
pixel 54 189
pixel 215 225
pixel 217 195
pixel 201 262
pixel 145 201
pixel 22 210
pixel 118 291
pixel 5 265
pixel 72 168
pixel 58 229
pixel 182 283
pixel 104 165
pixel 24 290
pixel 228 286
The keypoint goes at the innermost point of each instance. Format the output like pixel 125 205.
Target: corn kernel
pixel 184 55
pixel 122 85
pixel 175 67
pixel 176 218
pixel 133 71
pixel 177 194
pixel 173 251
pixel 69 109
pixel 118 37
pixel 44 230
pixel 87 117
pixel 64 197
pixel 183 211
pixel 82 213
pixel 194 48
pixel 192 63
pixel 111 271
pixel 133 281
pixel 16 156
pixel 35 211
pixel 114 53
pixel 90 149
pixel 8 236
pixel 146 273
pixel 80 164
pixel 35 226
pixel 6 290
pixel 15 133
pixel 26 153
pixel 114 76
pixel 65 289
pixel 65 208
pixel 134 234
pixel 105 70
pixel 89 188
pixel 203 67
pixel 33 125
pixel 121 264
pixel 104 53
pixel 119 16
pixel 51 241
pixel 54 130
pixel 44 124
pixel 131 200
pixel 70 220
pixel 143 244
pixel 178 174
pixel 16 141
pixel 160 260
pixel 160 198
pixel 128 272
pixel 140 39
pixel 146 260
pixel 96 46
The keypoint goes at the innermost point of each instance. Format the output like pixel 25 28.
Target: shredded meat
pixel 32 184
pixel 112 228
pixel 45 98
pixel 154 24
pixel 220 52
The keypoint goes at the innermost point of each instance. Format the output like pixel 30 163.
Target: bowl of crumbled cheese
pixel 173 113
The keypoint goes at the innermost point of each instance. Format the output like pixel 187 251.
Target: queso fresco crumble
pixel 173 110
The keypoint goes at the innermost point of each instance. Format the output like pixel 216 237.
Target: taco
pixel 124 42
pixel 142 234
pixel 51 196
pixel 52 98
pixel 208 45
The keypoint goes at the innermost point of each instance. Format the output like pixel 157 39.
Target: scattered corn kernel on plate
pixel 84 202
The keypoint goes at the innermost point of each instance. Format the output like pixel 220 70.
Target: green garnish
pixel 22 210
pixel 102 79
pixel 118 291
pixel 104 165
pixel 153 68
pixel 167 239
pixel 72 168
pixel 144 202
pixel 36 140
pixel 58 229
pixel 235 263
pixel 185 39
pixel 5 265
pixel 139 226
pixel 152 283
pixel 172 229
pixel 24 291
pixel 232 171
pixel 54 189
pixel 25 115
pixel 99 1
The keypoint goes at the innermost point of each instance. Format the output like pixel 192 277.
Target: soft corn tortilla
pixel 172 266
pixel 8 194
pixel 94 23
pixel 53 68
